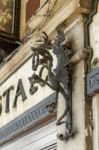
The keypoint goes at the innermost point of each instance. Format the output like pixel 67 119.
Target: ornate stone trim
pixel 27 120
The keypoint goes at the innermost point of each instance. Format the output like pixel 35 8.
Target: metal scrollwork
pixel 58 79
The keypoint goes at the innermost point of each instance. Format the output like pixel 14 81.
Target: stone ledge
pixel 57 16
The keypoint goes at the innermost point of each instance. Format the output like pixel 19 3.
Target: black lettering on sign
pixel 7 95
pixel 19 92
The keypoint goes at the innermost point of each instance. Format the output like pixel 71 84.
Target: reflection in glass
pixel 6 15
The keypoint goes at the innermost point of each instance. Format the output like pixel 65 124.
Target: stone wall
pixel 69 16
pixel 94 42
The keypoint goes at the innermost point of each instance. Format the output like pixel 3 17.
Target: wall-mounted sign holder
pixel 58 79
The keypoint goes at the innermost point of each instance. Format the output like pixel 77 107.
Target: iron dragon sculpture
pixel 58 79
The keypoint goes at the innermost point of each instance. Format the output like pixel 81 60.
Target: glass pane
pixel 6 15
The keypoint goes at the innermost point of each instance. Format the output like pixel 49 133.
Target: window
pixel 9 18
pixel 9 25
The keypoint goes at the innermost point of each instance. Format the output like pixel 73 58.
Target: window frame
pixel 4 36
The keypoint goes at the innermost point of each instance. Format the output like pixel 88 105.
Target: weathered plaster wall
pixel 75 33
pixel 94 40
pixel 41 20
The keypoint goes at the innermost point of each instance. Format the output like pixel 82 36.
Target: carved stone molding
pixel 28 120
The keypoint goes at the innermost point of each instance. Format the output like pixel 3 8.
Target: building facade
pixel 49 75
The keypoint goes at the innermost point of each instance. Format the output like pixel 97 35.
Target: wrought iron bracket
pixel 67 135
pixel 58 79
